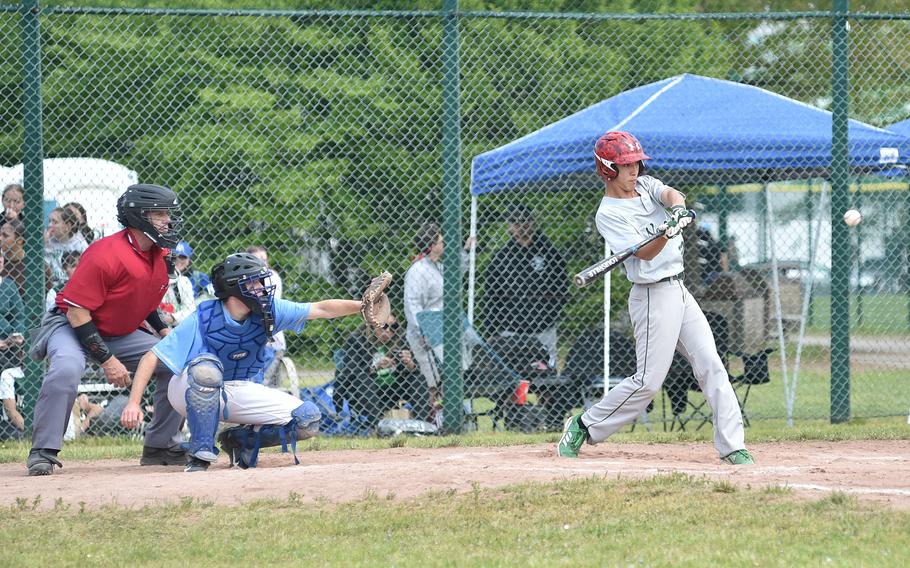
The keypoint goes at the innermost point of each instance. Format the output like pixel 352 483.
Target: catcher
pixel 216 352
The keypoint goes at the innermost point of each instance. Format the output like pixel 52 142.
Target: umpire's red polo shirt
pixel 118 283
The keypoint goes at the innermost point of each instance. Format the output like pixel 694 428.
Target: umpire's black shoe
pixel 42 462
pixel 175 455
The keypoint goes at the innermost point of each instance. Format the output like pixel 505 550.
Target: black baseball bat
pixel 595 271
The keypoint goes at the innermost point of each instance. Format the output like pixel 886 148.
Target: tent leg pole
pixel 775 288
pixel 472 259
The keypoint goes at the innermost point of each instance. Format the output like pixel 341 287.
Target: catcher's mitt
pixel 375 306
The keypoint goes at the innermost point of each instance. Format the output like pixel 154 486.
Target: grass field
pixel 869 315
pixel 668 520
pixel 672 519
pixel 873 394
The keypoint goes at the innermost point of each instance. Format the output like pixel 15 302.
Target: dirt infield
pixel 870 470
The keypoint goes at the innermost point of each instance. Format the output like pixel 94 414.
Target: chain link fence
pixel 317 136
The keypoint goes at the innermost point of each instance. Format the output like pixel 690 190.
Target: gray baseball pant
pixel 65 367
pixel 665 317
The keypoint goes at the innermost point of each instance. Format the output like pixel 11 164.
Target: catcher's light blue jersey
pixel 185 342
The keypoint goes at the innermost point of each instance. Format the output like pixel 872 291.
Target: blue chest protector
pixel 242 352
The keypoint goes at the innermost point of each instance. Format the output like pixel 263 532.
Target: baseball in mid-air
pixel 852 217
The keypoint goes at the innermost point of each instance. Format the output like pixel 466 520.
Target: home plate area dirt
pixel 869 470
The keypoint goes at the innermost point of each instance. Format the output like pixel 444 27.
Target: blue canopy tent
pixel 698 130
pixel 902 128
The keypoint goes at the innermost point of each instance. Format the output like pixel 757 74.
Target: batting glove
pixel 671 228
pixel 681 216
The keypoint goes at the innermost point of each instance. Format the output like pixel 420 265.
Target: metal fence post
pixel 33 183
pixel 840 202
pixel 453 387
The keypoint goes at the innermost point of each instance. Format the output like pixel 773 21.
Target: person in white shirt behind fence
pixel 423 290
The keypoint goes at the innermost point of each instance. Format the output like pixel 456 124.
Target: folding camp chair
pixel 489 377
pixel 680 380
pixel 583 373
pixel 755 372
pixel 337 417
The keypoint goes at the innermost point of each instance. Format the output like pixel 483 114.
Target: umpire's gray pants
pixel 65 367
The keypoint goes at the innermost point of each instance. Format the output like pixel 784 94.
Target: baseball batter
pixel 214 355
pixel 664 314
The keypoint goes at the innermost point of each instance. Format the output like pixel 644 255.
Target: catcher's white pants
pixel 247 402
pixel 665 317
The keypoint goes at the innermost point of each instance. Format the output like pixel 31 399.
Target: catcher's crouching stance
pixel 215 352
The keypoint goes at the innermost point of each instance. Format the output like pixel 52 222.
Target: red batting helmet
pixel 616 148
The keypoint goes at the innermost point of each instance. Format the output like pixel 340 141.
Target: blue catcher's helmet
pixel 247 278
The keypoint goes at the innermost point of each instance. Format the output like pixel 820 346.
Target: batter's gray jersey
pixel 626 222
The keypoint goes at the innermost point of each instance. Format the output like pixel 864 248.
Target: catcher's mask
pixel 618 148
pixel 138 200
pixel 248 279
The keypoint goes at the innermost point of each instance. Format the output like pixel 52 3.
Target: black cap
pixel 519 214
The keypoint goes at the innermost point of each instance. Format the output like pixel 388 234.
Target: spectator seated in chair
pixel 183 264
pixel 525 284
pixel 63 234
pixel 378 373
pixel 585 364
pixel 505 369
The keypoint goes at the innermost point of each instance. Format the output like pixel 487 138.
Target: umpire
pixel 100 312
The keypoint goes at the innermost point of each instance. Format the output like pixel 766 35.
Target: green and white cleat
pixel 739 457
pixel 573 436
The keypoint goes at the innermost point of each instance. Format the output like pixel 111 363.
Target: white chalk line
pixel 857 490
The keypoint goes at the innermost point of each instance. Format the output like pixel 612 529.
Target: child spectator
pixel 70 260
pixel 12 425
pixel 178 301
pixel 12 322
pixel 62 235
pixel 13 203
pixel 183 264
pixel 12 244
pixel 82 220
